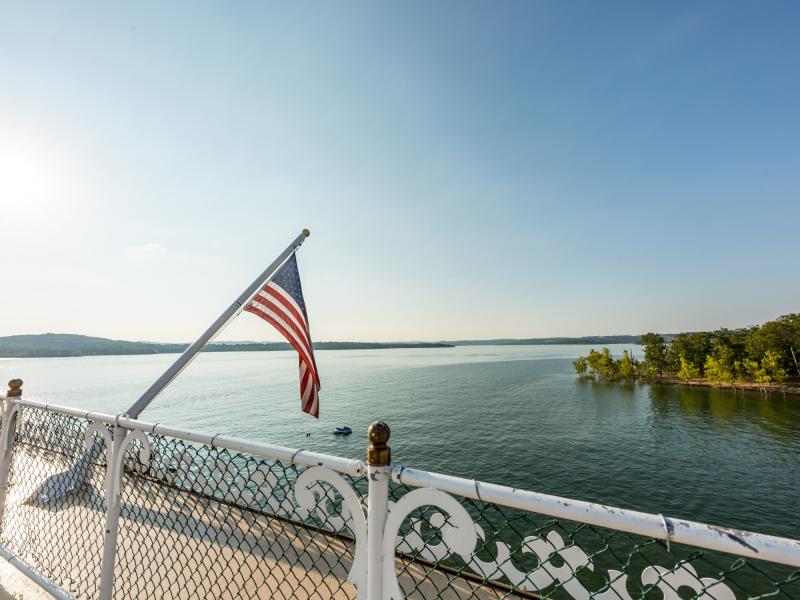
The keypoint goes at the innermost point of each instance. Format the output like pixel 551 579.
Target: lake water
pixel 515 415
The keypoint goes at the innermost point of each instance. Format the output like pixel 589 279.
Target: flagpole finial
pixel 14 388
pixel 378 453
pixel 306 232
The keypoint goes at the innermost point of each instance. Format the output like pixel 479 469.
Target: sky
pixel 466 169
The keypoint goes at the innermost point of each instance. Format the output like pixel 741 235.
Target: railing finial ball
pixel 14 388
pixel 378 453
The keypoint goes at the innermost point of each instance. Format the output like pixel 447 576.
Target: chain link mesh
pixel 199 521
pixel 62 538
pixel 524 554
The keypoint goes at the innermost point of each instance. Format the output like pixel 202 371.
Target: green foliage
pixel 655 354
pixel 603 364
pixel 726 355
pixel 778 336
pixel 718 370
pixel 693 347
pixel 686 369
pixel 761 355
pixel 581 365
pixel 771 370
pixel 626 366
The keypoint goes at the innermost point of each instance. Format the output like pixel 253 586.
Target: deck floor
pixel 176 544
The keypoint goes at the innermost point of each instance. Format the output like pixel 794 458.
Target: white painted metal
pixel 733 541
pixel 348 466
pixel 377 511
pixel 116 447
pixel 460 535
pixel 234 309
pixel 33 574
pixel 8 412
pixel 373 567
pixel 742 543
pixel 458 538
pixel 353 514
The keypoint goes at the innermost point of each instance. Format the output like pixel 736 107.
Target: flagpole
pixel 234 309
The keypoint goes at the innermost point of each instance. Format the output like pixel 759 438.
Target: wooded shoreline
pixel 762 358
pixel 790 388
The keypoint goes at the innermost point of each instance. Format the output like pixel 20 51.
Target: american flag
pixel 281 304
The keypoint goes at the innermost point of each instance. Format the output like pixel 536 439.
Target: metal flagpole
pixel 234 309
pixel 60 484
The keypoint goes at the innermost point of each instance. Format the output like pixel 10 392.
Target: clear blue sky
pixel 467 169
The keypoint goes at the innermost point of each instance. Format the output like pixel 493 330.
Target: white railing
pixel 388 529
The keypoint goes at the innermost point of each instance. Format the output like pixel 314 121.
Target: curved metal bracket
pixel 350 502
pixel 116 445
pixel 460 537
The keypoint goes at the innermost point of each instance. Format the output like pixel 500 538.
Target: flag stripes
pixel 280 303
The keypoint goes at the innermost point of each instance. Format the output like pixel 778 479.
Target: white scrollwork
pixel 459 538
pixel 307 489
pixel 94 429
pixel 114 466
pixel 684 575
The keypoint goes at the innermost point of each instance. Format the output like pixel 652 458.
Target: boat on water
pixel 343 430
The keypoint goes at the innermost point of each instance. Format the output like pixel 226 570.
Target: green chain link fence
pixel 200 521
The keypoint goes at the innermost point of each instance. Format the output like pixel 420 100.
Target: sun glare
pixel 27 181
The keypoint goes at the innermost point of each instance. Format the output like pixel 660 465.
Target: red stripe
pixel 313 398
pixel 303 335
pixel 288 307
pixel 301 318
pixel 300 350
pixel 304 379
pixel 279 297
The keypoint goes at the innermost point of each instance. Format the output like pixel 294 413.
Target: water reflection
pixel 714 408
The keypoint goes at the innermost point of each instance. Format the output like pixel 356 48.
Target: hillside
pixel 67 344
pixel 594 339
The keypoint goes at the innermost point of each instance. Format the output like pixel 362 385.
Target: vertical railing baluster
pixel 114 466
pixel 379 456
pixel 8 413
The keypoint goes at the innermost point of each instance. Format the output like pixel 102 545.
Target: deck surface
pixel 177 544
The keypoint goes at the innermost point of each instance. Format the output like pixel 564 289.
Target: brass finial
pixel 378 453
pixel 306 232
pixel 14 388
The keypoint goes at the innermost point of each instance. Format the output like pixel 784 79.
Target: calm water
pixel 511 415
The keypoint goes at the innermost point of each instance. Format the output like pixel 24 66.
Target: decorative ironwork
pixel 198 520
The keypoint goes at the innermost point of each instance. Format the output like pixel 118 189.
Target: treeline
pixel 70 345
pixel 765 354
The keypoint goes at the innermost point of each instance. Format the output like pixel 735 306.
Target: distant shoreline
pixel 62 345
pixel 52 345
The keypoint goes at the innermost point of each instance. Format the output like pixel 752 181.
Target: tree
pixel 593 360
pixel 771 368
pixel 687 370
pixel 655 354
pixel 749 370
pixel 693 347
pixel 780 336
pixel 720 365
pixel 581 365
pixel 608 366
pixel 626 366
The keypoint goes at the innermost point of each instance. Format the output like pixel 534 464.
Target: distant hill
pixel 67 344
pixel 594 339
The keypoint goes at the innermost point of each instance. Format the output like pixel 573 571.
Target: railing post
pixel 114 466
pixel 8 413
pixel 379 456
